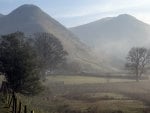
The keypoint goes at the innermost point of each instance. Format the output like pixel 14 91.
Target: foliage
pixel 137 60
pixel 18 63
pixel 50 51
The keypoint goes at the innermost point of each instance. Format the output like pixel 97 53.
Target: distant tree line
pixel 24 60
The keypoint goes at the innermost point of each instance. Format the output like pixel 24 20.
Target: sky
pixel 77 12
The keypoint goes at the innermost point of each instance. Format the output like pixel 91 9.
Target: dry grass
pixel 90 95
pixel 83 79
pixel 77 97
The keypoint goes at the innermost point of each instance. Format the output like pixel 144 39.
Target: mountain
pixel 31 19
pixel 1 15
pixel 112 37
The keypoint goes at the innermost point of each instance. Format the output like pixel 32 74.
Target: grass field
pixel 83 79
pixel 81 94
pixel 85 103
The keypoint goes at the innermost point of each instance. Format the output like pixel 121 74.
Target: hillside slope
pixel 114 36
pixel 31 19
pixel 1 15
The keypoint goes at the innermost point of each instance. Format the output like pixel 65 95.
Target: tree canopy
pixel 50 52
pixel 18 62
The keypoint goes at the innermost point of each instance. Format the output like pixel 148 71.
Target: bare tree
pixel 137 61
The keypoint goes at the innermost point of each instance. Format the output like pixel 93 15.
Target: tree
pixel 137 60
pixel 18 63
pixel 50 51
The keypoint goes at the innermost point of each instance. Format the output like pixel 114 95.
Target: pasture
pixel 83 79
pixel 80 94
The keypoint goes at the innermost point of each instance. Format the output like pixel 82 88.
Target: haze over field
pixel 113 37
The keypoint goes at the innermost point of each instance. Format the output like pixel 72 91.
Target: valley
pixel 101 66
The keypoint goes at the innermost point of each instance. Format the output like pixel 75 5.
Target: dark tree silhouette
pixel 137 60
pixel 18 63
pixel 50 51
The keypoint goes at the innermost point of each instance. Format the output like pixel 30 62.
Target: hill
pixel 1 15
pixel 112 37
pixel 31 19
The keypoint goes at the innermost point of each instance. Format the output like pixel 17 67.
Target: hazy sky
pixel 76 12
